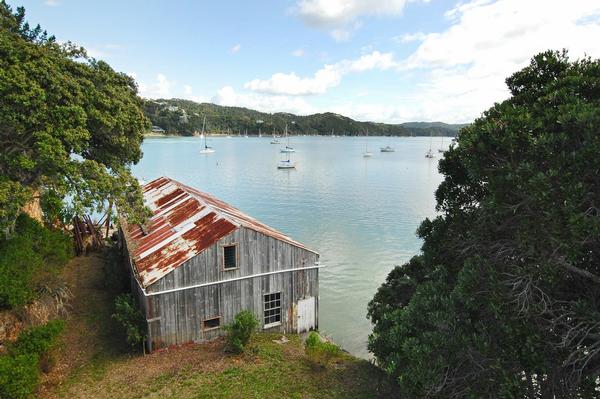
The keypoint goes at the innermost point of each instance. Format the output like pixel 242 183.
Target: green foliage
pixel 18 376
pixel 19 369
pixel 13 196
pixel 240 330
pixel 38 340
pixel 502 302
pixel 27 258
pixel 320 352
pixel 70 125
pixel 131 319
pixel 185 117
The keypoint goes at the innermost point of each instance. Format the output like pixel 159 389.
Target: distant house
pixel 198 262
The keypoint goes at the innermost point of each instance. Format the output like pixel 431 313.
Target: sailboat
pixel 429 153
pixel 441 149
pixel 287 163
pixel 367 153
pixel 206 149
pixel 387 148
pixel 274 141
pixel 287 147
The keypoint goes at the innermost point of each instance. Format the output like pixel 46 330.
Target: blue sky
pixel 387 61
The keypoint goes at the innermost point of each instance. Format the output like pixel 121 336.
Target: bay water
pixel 359 213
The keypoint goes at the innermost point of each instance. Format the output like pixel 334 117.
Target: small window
pixel 210 324
pixel 229 257
pixel 272 313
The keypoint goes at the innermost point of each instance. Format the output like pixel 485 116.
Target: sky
pixel 388 61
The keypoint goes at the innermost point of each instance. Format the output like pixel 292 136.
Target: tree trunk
pixel 34 208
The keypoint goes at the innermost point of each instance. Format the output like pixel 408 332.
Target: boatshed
pixel 198 261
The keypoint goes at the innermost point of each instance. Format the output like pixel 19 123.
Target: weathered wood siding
pixel 128 265
pixel 176 318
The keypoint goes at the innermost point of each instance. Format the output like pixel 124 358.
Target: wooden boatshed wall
pixel 175 318
pixel 128 264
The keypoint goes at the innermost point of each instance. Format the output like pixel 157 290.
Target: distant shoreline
pixel 154 134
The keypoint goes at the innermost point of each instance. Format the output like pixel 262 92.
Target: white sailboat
pixel 441 149
pixel 429 153
pixel 206 149
pixel 367 153
pixel 274 141
pixel 287 163
pixel 387 148
pixel 287 148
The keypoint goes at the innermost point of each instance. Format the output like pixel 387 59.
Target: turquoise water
pixel 359 213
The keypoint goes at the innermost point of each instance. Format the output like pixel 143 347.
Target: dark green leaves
pixel 503 302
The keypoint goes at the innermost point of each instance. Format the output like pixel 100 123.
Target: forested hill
pixel 184 117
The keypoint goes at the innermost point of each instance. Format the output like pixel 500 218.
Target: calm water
pixel 359 214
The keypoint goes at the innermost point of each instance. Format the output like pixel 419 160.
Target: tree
pixel 70 126
pixel 503 301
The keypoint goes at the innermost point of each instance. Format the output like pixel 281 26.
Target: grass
pixel 92 361
pixel 269 369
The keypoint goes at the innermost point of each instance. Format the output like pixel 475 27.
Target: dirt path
pixel 91 351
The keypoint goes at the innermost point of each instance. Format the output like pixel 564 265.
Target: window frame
pixel 276 323
pixel 211 328
pixel 237 257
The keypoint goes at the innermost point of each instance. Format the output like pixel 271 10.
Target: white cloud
pixel 188 94
pixel 325 78
pixel 298 52
pixel 103 51
pixel 161 88
pixel 235 48
pixel 291 84
pixel 339 17
pixel 411 37
pixel 336 13
pixel 465 66
pixel 96 52
pixel 265 103
pixel 52 3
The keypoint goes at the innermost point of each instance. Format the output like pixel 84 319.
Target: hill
pixel 184 117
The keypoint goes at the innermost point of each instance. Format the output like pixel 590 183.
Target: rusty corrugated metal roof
pixel 185 222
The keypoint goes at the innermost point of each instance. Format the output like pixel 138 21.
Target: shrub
pixel 18 375
pixel 38 340
pixel 27 258
pixel 130 318
pixel 319 351
pixel 19 369
pixel 240 330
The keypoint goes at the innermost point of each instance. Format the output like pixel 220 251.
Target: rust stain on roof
pixel 185 222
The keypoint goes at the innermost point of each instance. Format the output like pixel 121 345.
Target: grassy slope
pixel 92 362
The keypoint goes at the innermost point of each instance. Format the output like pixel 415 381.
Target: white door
pixel 306 314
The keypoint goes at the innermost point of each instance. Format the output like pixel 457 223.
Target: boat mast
pixel 430 140
pixel 203 134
